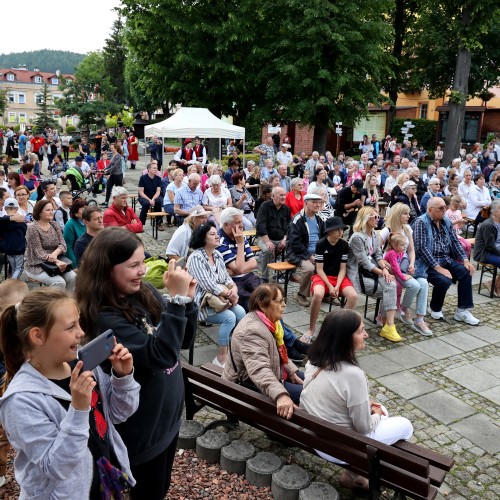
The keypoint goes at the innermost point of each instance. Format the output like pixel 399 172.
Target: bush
pixel 424 132
pixel 254 157
pixel 70 129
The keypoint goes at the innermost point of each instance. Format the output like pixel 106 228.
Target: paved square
pixel 408 356
pixel 407 384
pixel 376 365
pixel 297 318
pixel 436 348
pixel 482 431
pixel 490 365
pixel 463 341
pixel 492 394
pixel 486 333
pixel 443 406
pixel 472 378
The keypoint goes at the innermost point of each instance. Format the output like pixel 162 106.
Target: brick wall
pixel 491 122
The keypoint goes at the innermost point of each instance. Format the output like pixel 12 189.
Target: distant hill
pixel 44 60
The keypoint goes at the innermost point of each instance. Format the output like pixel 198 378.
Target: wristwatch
pixel 180 300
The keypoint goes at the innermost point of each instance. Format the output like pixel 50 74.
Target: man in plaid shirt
pixel 441 258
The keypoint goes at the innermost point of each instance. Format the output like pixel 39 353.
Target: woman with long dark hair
pixel 111 294
pixel 335 387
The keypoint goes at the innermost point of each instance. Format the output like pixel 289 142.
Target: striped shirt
pixel 229 249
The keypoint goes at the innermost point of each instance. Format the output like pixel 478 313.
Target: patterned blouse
pixel 40 243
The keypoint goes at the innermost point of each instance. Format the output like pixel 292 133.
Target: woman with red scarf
pixel 258 357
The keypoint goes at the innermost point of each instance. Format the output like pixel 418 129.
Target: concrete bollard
pixel 260 469
pixel 189 431
pixel 209 445
pixel 317 491
pixel 288 481
pixel 234 456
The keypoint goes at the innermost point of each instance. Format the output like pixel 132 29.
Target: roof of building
pixel 26 76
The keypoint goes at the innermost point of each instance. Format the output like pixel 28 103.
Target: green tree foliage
pixel 114 62
pixel 3 100
pixel 44 60
pixel 236 56
pixel 44 112
pixel 90 94
pixel 457 49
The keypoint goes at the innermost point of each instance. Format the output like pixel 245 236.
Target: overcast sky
pixel 74 25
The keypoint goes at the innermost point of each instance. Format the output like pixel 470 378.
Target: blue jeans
pixel 145 206
pixel 17 265
pixel 442 283
pixel 227 320
pixel 419 288
pixel 295 389
pixel 492 259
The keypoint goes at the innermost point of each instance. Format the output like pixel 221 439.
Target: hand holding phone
pixel 97 351
pixel 121 360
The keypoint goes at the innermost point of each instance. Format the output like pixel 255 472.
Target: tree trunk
pixel 320 131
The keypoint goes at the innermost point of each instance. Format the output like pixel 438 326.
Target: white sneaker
pixel 2 481
pixel 467 317
pixel 436 314
pixel 216 362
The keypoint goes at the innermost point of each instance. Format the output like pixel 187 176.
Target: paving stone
pixel 436 348
pixel 443 406
pixel 492 394
pixel 298 318
pixel 407 385
pixel 463 341
pixel 472 378
pixel 202 354
pixel 490 365
pixel 481 430
pixel 486 333
pixel 408 356
pixel 376 365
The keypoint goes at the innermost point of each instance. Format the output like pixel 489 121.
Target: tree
pixel 234 58
pixel 114 61
pixel 45 111
pixel 90 94
pixel 3 101
pixel 457 49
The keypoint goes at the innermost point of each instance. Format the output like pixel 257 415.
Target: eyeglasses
pixel 376 217
pixel 281 301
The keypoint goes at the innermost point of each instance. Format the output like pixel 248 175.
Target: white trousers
pixel 389 431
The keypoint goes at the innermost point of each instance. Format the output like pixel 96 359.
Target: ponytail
pixel 12 345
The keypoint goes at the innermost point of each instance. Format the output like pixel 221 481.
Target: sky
pixel 74 25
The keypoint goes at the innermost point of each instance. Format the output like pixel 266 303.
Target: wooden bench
pixel 407 468
pixel 134 198
pixel 250 234
pixel 282 269
pixel 155 221
pixel 255 248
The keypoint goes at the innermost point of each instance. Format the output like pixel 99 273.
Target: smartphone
pixel 181 262
pixel 96 351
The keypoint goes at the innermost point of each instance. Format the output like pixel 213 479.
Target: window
pixel 55 81
pixel 17 98
pixel 21 98
pixel 38 79
pixel 12 97
pixel 11 77
pixel 12 117
pixel 423 111
pixel 38 99
pixel 22 117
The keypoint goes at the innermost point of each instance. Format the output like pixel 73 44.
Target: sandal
pixel 353 481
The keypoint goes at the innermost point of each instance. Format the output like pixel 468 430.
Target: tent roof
pixel 188 122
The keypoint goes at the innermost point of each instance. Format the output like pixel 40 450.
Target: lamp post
pixel 338 131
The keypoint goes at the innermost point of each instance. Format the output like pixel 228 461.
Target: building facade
pixel 24 93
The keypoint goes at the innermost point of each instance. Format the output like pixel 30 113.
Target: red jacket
pixel 115 217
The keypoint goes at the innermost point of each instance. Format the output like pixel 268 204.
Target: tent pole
pixel 220 146
pixel 244 151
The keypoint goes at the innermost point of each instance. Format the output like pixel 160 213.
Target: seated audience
pixel 149 193
pixel 479 198
pixel 295 198
pixel 74 228
pixel 243 200
pixel 434 191
pixel 93 219
pixel 120 214
pixel 62 214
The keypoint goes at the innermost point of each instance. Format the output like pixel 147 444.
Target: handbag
pixel 217 303
pixel 52 270
pixel 364 273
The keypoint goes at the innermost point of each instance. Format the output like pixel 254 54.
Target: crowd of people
pixel 115 428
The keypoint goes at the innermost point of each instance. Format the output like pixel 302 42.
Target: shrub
pixel 424 131
pixel 70 129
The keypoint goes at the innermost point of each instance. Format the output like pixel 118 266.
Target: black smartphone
pixel 96 351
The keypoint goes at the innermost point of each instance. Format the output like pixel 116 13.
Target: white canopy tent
pixel 189 122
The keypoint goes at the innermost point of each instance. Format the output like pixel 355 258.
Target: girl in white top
pixel 479 197
pixel 335 387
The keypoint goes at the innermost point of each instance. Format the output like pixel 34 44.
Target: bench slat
pixel 435 459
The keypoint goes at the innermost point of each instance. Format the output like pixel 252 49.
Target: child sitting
pixel 455 215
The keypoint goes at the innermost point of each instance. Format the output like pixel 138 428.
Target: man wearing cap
pixel 284 157
pixel 271 228
pixel 331 268
pixel 14 233
pixel 186 155
pixel 266 151
pixel 349 202
pixel 306 229
pixel 178 246
pixel 408 196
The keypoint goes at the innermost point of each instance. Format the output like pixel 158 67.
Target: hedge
pixel 424 131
